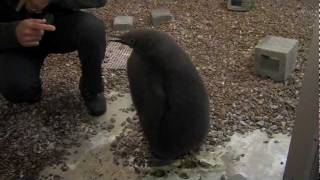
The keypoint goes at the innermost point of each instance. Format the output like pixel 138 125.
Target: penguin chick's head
pixel 143 40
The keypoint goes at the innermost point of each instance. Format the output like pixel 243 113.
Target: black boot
pixel 95 102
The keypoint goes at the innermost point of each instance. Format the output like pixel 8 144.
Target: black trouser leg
pixel 76 30
pixel 19 76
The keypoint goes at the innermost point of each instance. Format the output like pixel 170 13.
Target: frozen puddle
pixel 252 156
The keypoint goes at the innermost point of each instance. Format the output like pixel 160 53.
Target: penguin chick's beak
pixel 115 39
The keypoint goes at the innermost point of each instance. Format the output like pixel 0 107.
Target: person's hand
pixel 36 6
pixel 29 32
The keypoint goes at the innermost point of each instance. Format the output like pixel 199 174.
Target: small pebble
pixel 274 127
pixel 184 175
pixel 123 124
pixel 112 120
pixel 159 173
pixel 204 164
pixel 113 144
pixel 135 118
pixel 110 127
pixel 260 123
pixel 64 167
pixel 56 177
pixel 237 158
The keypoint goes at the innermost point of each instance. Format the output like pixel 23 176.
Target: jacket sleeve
pixel 78 4
pixel 8 38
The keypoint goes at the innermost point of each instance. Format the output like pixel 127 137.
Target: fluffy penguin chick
pixel 168 94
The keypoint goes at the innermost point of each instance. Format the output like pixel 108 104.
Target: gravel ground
pixel 220 42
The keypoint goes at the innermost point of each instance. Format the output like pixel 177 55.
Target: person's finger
pixel 33 32
pixel 40 21
pixel 30 44
pixel 36 32
pixel 32 39
pixel 44 27
pixel 40 24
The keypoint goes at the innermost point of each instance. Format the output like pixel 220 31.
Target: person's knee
pixel 92 31
pixel 22 92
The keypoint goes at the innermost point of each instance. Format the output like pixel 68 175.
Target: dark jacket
pixel 9 17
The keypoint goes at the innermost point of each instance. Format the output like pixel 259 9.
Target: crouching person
pixel 32 29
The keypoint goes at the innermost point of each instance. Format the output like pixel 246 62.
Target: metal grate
pixel 116 56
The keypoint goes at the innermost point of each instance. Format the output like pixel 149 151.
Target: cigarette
pixel 20 5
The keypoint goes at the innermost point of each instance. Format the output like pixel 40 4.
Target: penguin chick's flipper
pixel 153 113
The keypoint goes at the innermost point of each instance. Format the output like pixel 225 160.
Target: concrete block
pixel 276 57
pixel 241 5
pixel 122 23
pixel 160 16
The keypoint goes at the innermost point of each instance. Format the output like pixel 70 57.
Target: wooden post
pixel 303 158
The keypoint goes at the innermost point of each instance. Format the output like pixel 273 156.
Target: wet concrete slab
pixel 251 156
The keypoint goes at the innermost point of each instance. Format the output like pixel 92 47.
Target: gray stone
pixel 275 57
pixel 160 16
pixel 260 123
pixel 122 23
pixel 241 5
pixel 237 177
pixel 274 127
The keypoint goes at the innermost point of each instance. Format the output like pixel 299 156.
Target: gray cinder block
pixel 160 16
pixel 241 5
pixel 122 23
pixel 276 57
